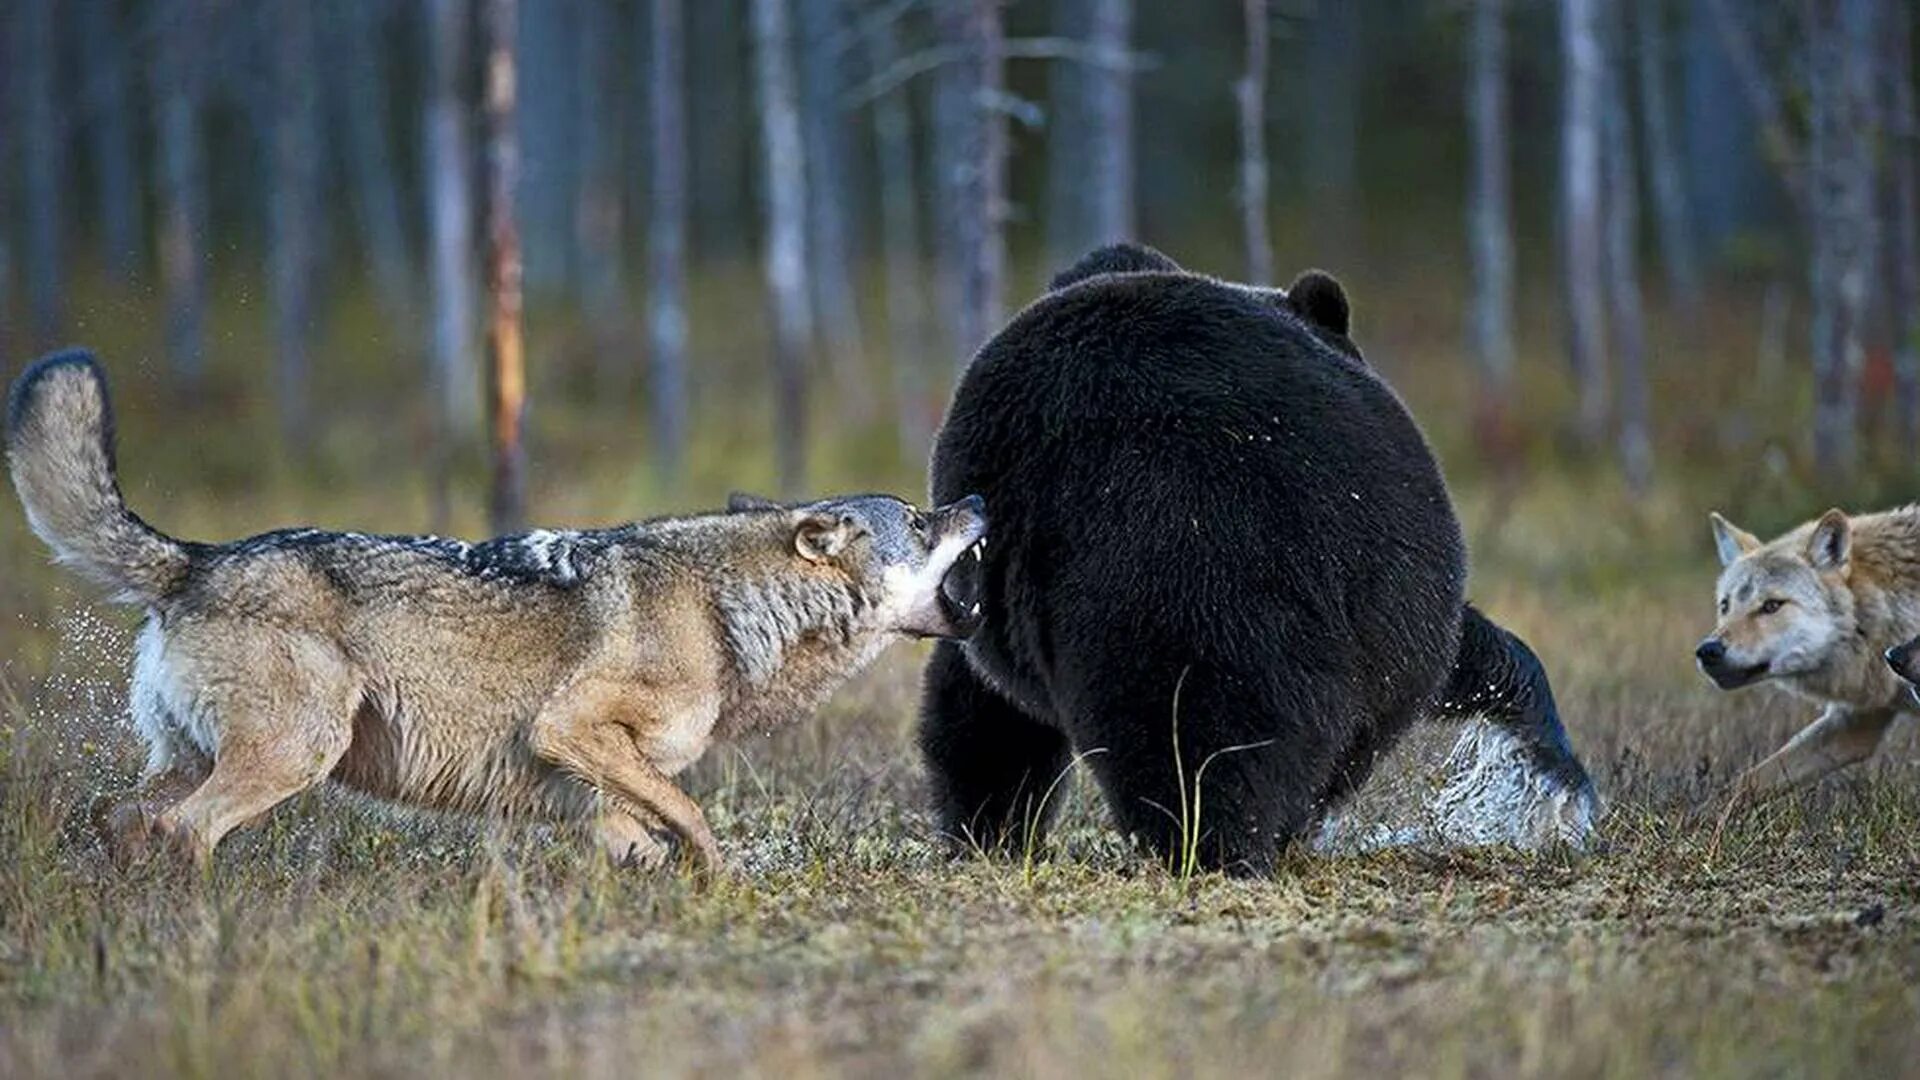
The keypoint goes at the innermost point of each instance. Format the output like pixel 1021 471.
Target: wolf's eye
pixel 1772 605
pixel 1723 605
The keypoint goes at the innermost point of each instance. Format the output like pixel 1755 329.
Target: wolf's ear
pixel 819 537
pixel 1831 542
pixel 1730 540
pixel 742 503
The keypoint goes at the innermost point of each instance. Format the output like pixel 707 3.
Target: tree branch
pixel 914 65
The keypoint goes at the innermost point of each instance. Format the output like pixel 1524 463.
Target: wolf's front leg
pixel 588 731
pixel 629 840
pixel 1842 736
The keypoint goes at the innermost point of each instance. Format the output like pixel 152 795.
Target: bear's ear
pixel 1316 297
pixel 1114 259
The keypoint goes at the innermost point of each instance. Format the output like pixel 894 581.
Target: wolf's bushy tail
pixel 60 451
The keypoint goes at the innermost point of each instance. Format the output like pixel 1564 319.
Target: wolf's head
pixel 1784 606
pixel 892 550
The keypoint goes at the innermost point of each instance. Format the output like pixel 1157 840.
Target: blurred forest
pixel 727 240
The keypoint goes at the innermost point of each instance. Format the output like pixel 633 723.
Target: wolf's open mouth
pixel 960 591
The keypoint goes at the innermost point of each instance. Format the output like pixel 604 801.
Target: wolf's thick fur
pixel 555 675
pixel 1815 612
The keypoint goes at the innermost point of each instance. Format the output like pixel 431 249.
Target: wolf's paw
pixel 134 836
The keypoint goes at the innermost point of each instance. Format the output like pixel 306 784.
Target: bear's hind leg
pixel 991 766
pixel 1224 781
pixel 1498 679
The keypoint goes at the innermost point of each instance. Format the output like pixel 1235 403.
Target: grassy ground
pixel 338 937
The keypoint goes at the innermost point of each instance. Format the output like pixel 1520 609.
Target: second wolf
pixel 1817 612
pixel 554 675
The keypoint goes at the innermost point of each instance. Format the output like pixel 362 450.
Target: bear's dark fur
pixel 1224 569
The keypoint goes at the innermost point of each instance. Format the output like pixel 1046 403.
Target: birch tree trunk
pixel 1090 131
pixel 547 62
pixel 1332 67
pixel 452 371
pixel 177 81
pixel 1840 77
pixel 1582 229
pixel 980 179
pixel 293 209
pixel 1679 253
pixel 506 355
pixel 1622 257
pixel 1905 238
pixel 107 85
pixel 900 242
pixel 667 240
pixel 8 43
pixel 597 221
pixel 825 123
pixel 1251 93
pixel 785 189
pixel 1490 227
pixel 363 101
pixel 44 150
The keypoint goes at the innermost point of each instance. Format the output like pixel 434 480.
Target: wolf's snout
pixel 960 586
pixel 1722 667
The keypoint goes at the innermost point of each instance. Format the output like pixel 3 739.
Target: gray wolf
pixel 1226 573
pixel 557 675
pixel 1815 612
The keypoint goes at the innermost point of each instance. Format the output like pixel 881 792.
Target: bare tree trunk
pixel 294 210
pixel 900 241
pixel 452 371
pixel 106 98
pixel 1622 257
pixel 1840 73
pixel 547 61
pixel 1905 279
pixel 1251 91
pixel 177 82
pixel 596 218
pixel 1679 253
pixel 1583 233
pixel 667 240
pixel 362 99
pixel 9 34
pixel 981 178
pixel 506 357
pixel 786 236
pixel 1490 227
pixel 825 124
pixel 1332 69
pixel 45 154
pixel 1090 138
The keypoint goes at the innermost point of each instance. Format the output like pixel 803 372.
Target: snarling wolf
pixel 1819 612
pixel 557 675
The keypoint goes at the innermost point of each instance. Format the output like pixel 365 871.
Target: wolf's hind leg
pixel 281 731
pixel 126 825
pixel 1498 679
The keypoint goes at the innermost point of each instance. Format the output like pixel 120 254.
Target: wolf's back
pixel 60 451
